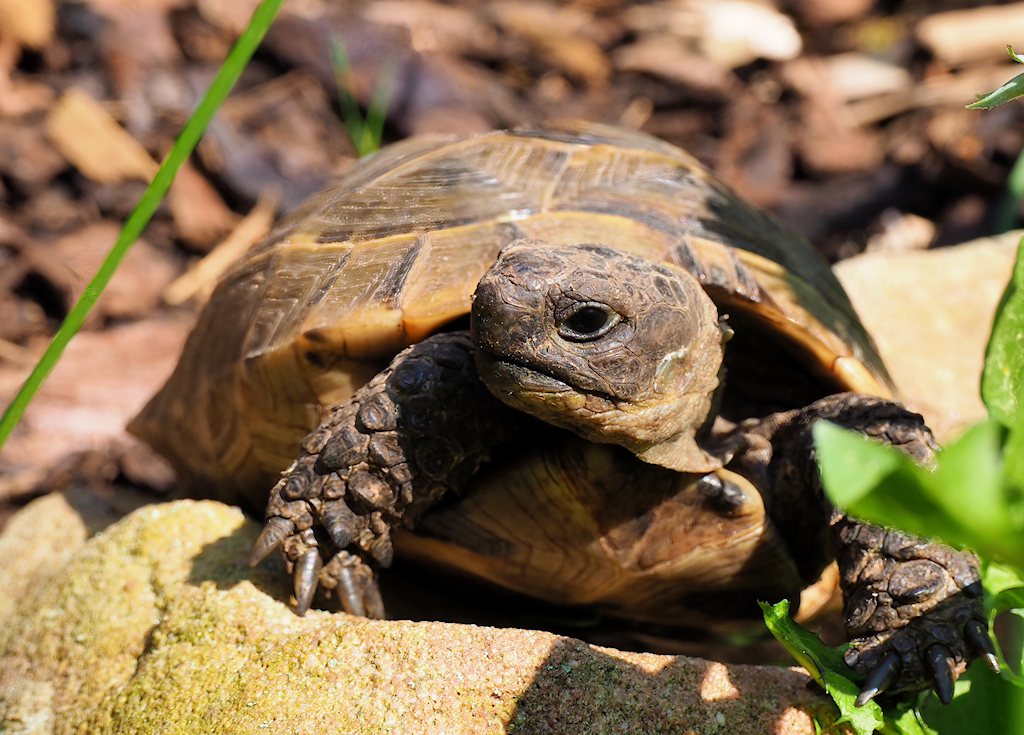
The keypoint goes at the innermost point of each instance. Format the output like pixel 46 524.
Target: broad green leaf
pixel 910 723
pixel 1013 454
pixel 991 706
pixel 964 501
pixel 826 665
pixel 1002 379
pixel 864 720
pixel 1000 579
pixel 803 645
pixel 851 466
pixel 968 481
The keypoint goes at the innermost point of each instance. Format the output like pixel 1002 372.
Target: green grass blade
pixel 373 128
pixel 187 140
pixel 350 113
pixel 365 134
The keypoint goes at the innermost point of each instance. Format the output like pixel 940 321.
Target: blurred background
pixel 845 118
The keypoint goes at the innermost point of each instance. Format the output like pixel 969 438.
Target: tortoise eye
pixel 588 321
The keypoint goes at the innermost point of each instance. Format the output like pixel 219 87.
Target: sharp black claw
pixel 939 661
pixel 274 532
pixel 975 590
pixel 351 600
pixel 976 633
pixel 307 574
pixel 883 676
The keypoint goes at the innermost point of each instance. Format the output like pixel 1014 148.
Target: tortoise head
pixel 611 346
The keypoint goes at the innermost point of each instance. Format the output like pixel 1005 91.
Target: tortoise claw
pixel 307 574
pixel 373 602
pixel 881 678
pixel 348 594
pixel 939 662
pixel 976 634
pixel 274 532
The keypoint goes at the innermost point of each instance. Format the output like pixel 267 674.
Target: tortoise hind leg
pixel 914 610
pixel 415 432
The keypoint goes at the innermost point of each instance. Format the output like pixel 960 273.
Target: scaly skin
pixel 414 433
pixel 914 610
pixel 622 351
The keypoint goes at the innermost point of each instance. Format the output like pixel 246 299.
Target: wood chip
pixel 92 141
pixel 436 28
pixel 856 76
pixel 30 22
pixel 960 36
pixel 199 211
pixel 828 12
pixel 70 263
pixel 946 89
pixel 230 15
pixel 667 58
pixel 902 232
pixel 831 142
pixel 739 32
pixel 558 35
pixel 201 278
pixel 16 354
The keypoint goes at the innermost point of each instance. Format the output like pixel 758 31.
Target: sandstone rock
pixel 930 313
pixel 157 625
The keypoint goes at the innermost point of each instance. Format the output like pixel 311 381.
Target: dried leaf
pixel 30 22
pixel 92 141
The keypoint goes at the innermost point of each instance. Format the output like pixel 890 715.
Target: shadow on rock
pixel 225 563
pixel 583 688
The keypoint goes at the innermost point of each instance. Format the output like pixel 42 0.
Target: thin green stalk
pixel 1011 200
pixel 187 140
pixel 364 134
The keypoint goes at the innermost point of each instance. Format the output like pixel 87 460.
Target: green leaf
pixel 826 665
pixel 851 466
pixel 990 706
pixel 1001 579
pixel 1002 379
pixel 365 134
pixel 965 501
pixel 802 644
pixel 1009 91
pixel 910 723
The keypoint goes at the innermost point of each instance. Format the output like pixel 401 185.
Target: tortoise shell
pixel 393 251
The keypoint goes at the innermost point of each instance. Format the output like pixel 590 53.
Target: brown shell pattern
pixel 393 251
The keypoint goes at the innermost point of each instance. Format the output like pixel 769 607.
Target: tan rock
pixel 157 625
pixel 930 313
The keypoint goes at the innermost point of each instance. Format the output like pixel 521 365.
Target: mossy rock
pixel 157 625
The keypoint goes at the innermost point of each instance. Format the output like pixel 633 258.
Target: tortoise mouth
pixel 508 378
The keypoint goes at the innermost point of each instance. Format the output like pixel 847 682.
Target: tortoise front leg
pixel 415 432
pixel 914 610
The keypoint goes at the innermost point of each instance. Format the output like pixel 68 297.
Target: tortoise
pixel 570 363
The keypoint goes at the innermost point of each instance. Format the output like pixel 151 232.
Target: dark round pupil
pixel 587 320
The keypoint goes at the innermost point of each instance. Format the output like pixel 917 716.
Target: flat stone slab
pixel 930 313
